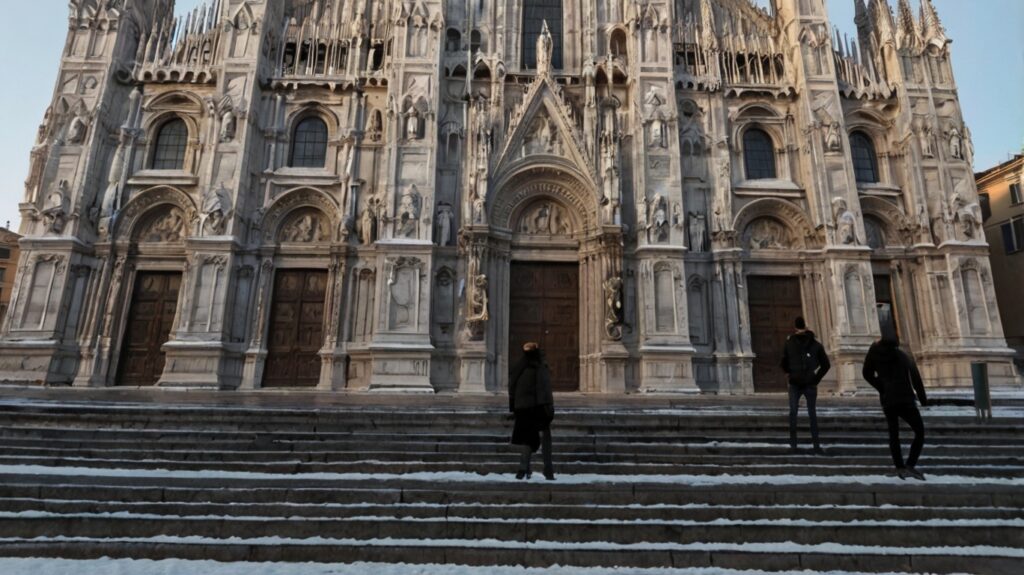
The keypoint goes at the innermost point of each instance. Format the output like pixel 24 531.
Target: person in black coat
pixel 894 374
pixel 531 400
pixel 805 362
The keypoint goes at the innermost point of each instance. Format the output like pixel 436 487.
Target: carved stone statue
pixel 409 212
pixel 444 224
pixel 589 80
pixel 698 233
pixel 228 125
pixel 412 124
pixel 368 224
pixel 76 130
pixel 478 308
pixel 216 207
pixel 544 50
pixel 613 307
pixel 845 223
pixel 55 211
pixel 659 224
pixel 956 144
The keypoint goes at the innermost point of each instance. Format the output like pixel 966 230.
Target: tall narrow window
pixel 309 145
pixel 535 13
pixel 865 160
pixel 1015 195
pixel 171 143
pixel 759 155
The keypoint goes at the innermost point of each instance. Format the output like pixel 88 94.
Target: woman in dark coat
pixel 531 401
pixel 894 374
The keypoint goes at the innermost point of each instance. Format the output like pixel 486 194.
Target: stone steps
pixel 434 486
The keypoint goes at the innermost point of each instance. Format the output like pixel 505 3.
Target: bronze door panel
pixel 774 303
pixel 296 329
pixel 544 307
pixel 150 321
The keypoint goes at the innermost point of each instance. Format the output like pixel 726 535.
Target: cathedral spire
pixel 909 35
pixel 882 17
pixel 864 24
pixel 933 32
pixel 709 34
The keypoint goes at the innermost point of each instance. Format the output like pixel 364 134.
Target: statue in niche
pixel 368 224
pixel 478 303
pixel 642 222
pixel 228 125
pixel 956 144
pixel 544 50
pixel 832 140
pixel 767 234
pixel 55 211
pixel 216 206
pixel 966 216
pixel 721 221
pixel 658 222
pixel 412 124
pixel 169 227
pixel 304 229
pixel 76 130
pixel 649 23
pixel 375 127
pixel 968 146
pixel 677 216
pixel 589 80
pixel 658 138
pixel 419 26
pixel 409 212
pixel 925 137
pixel 698 233
pixel 444 225
pixel 613 313
pixel 479 210
pixel 845 223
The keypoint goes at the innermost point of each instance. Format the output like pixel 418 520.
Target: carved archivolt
pixel 164 225
pixel 146 204
pixel 287 217
pixel 895 225
pixel 764 221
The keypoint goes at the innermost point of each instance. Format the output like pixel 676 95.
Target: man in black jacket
pixel 806 363
pixel 894 374
pixel 531 401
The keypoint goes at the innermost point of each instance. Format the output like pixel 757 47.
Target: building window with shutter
pixel 1015 194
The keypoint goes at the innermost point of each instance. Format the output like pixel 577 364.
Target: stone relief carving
pixel 304 227
pixel 875 234
pixel 767 234
pixel 168 227
pixel 656 117
pixel 542 138
pixel 967 218
pixel 547 218
pixel 613 312
pixel 228 125
pixel 956 144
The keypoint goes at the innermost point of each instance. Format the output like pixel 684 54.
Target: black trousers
pixel 912 416
pixel 811 393
pixel 545 446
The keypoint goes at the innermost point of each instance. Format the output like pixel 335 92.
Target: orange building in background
pixel 8 267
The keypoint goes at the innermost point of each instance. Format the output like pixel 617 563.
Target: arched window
pixel 170 147
pixel 759 154
pixel 535 13
pixel 309 145
pixel 865 161
pixel 454 41
pixel 475 42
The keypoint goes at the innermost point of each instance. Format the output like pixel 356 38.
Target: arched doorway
pixel 549 259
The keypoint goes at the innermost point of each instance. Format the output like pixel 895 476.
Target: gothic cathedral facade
pixel 394 195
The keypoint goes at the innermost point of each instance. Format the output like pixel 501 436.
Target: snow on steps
pixel 643 488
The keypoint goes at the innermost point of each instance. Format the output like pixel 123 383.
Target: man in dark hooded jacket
pixel 806 363
pixel 531 400
pixel 894 374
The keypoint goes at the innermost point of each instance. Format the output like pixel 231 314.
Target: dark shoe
pixel 522 474
pixel 915 474
pixel 819 451
pixel 902 473
pixel 549 475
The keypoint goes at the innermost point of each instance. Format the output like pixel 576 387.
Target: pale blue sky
pixel 988 57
